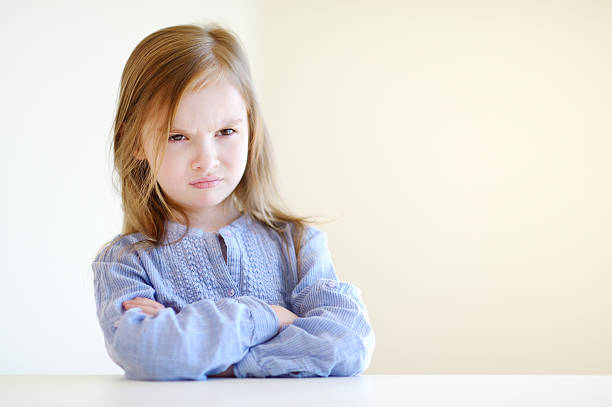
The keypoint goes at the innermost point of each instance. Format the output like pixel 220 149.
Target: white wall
pixel 60 71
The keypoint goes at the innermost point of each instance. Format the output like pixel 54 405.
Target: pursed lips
pixel 205 179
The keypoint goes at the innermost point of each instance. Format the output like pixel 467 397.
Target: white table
pixel 365 390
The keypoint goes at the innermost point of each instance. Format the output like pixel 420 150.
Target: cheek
pixel 237 156
pixel 170 170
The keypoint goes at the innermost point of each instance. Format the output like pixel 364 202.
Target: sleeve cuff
pixel 265 321
pixel 248 367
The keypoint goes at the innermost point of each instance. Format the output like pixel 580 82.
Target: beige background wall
pixel 465 149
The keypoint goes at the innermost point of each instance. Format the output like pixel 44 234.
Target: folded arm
pixel 331 337
pixel 151 307
pixel 203 339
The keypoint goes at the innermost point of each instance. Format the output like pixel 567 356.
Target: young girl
pixel 210 277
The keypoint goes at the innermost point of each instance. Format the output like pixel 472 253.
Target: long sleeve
pixel 331 337
pixel 204 338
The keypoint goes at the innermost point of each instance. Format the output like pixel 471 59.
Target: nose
pixel 205 158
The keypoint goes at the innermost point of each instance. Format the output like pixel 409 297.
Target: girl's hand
pixel 285 317
pixel 147 305
pixel 228 373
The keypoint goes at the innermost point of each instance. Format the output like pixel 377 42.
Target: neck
pixel 214 219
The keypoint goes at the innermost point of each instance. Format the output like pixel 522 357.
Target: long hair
pixel 163 66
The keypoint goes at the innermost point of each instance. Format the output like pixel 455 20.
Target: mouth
pixel 205 183
pixel 205 179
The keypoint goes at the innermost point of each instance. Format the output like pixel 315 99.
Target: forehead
pixel 208 107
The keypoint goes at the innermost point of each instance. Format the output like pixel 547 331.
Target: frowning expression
pixel 207 149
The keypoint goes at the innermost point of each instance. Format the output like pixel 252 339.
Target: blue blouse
pixel 217 312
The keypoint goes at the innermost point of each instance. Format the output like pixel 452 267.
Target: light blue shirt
pixel 217 312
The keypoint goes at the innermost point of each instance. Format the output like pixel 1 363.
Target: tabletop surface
pixel 364 390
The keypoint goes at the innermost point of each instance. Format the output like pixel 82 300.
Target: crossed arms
pixel 325 331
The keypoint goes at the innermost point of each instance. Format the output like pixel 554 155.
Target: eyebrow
pixel 231 122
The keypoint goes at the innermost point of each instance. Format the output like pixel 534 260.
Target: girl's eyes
pixel 176 137
pixel 172 138
pixel 228 134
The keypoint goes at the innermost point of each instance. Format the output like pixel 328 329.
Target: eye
pixel 173 139
pixel 227 132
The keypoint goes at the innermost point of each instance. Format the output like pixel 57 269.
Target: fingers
pixel 147 310
pixel 144 301
pixel 147 305
pixel 285 317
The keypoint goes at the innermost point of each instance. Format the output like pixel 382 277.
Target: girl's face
pixel 206 154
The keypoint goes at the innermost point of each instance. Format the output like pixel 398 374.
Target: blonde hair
pixel 163 66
